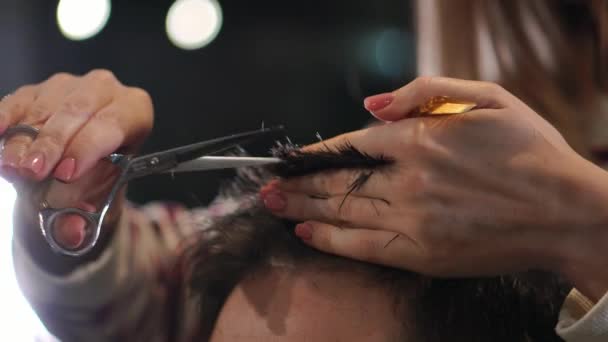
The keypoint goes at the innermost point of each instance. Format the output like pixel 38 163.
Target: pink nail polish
pixel 34 162
pixel 304 231
pixel 275 201
pixel 378 102
pixel 65 170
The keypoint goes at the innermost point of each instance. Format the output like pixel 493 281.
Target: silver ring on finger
pixel 28 130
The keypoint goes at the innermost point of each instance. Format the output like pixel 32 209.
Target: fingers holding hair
pixel 368 245
pixel 344 210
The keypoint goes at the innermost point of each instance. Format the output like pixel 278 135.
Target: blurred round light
pixel 82 19
pixel 392 54
pixel 192 24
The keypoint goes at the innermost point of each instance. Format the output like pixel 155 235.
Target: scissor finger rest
pixel 50 220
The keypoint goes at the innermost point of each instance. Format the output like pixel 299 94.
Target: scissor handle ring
pixel 49 216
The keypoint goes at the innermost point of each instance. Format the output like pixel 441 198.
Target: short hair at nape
pixel 511 308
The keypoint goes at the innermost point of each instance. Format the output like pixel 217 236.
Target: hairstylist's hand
pixel 491 191
pixel 81 120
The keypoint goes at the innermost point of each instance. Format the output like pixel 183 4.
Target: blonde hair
pixel 536 49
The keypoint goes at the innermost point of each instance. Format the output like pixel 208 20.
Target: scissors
pixel 194 157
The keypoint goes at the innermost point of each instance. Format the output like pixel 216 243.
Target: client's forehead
pixel 280 304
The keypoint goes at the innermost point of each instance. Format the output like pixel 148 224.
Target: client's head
pixel 254 280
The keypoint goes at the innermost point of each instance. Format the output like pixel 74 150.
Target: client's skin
pixel 306 304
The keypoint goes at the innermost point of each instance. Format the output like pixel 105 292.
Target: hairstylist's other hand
pixel 81 119
pixel 491 191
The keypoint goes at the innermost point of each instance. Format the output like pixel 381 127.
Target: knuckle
pixel 83 146
pixel 102 75
pixel 493 88
pixel 51 141
pixel 77 105
pixel 416 138
pixel 26 89
pixel 145 108
pixel 423 81
pixel 110 117
pixel 443 241
pixel 349 179
pixel 146 125
pixel 345 208
pixel 437 245
pixel 422 84
pixel 422 224
pixel 368 249
pixel 141 95
pixel 13 108
pixel 18 103
pixel 320 183
pixel 38 112
pixel 418 181
pixel 336 208
pixel 61 77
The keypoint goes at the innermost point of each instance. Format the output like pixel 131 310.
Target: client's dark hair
pixel 521 307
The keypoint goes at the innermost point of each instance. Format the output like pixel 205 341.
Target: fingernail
pixel 304 231
pixel 275 201
pixel 65 170
pixel 34 162
pixel 378 102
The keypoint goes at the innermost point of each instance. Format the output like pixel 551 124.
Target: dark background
pixel 306 65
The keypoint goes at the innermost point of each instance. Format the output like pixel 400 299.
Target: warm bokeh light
pixel 192 24
pixel 82 19
pixel 19 323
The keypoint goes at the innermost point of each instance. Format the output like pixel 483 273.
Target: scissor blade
pixel 216 163
pixel 218 145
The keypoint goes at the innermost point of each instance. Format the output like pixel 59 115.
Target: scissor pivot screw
pixel 154 161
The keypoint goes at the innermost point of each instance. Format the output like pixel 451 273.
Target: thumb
pixel 70 231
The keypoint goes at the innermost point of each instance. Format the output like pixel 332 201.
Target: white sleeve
pixel 108 299
pixel 581 320
pixel 99 277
